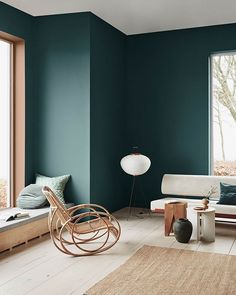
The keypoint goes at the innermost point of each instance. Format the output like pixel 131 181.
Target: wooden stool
pixel 173 211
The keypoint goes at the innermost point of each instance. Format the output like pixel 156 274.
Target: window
pixel 223 114
pixel 12 118
pixel 5 124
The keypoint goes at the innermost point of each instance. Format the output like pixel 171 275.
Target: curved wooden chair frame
pixel 88 228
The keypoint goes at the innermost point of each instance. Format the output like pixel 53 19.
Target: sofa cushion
pixel 194 185
pixel 227 194
pixel 56 184
pixel 31 197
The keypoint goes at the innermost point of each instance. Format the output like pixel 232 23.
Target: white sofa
pixel 186 187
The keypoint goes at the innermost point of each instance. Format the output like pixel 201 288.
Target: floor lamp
pixel 134 164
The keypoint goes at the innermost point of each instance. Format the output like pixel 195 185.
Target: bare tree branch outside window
pixel 224 113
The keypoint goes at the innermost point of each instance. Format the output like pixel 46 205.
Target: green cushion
pixel 31 197
pixel 227 194
pixel 56 184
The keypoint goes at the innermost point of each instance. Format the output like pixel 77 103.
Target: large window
pixel 12 118
pixel 223 114
pixel 5 124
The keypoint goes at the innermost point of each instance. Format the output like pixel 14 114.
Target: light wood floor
pixel 40 269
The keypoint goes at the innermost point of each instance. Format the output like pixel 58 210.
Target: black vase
pixel 183 230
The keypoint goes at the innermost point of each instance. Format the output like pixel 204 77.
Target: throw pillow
pixel 227 194
pixel 31 197
pixel 56 184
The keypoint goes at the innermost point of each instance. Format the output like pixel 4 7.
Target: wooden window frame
pixel 17 162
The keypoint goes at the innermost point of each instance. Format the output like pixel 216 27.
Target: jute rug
pixel 154 270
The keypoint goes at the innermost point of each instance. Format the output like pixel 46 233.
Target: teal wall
pixel 108 99
pixel 17 23
pixel 80 98
pixel 167 94
pixel 62 94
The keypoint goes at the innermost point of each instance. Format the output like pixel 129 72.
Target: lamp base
pixel 138 212
pixel 141 213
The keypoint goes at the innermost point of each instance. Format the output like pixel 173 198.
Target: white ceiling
pixel 140 16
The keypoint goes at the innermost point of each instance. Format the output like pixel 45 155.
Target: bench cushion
pixel 34 214
pixel 221 209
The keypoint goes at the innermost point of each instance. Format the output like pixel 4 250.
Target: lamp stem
pixel 131 196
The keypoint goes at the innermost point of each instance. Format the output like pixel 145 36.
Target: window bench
pixel 16 232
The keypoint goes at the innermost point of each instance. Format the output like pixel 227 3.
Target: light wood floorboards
pixel 39 268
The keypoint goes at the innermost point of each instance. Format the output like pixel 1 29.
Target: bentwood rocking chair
pixel 81 230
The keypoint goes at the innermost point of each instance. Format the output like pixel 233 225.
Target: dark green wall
pixel 62 92
pixel 92 93
pixel 17 23
pixel 108 99
pixel 167 95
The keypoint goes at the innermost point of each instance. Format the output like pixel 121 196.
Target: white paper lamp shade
pixel 135 164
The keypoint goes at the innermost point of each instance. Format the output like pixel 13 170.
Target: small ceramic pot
pixel 183 230
pixel 205 203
